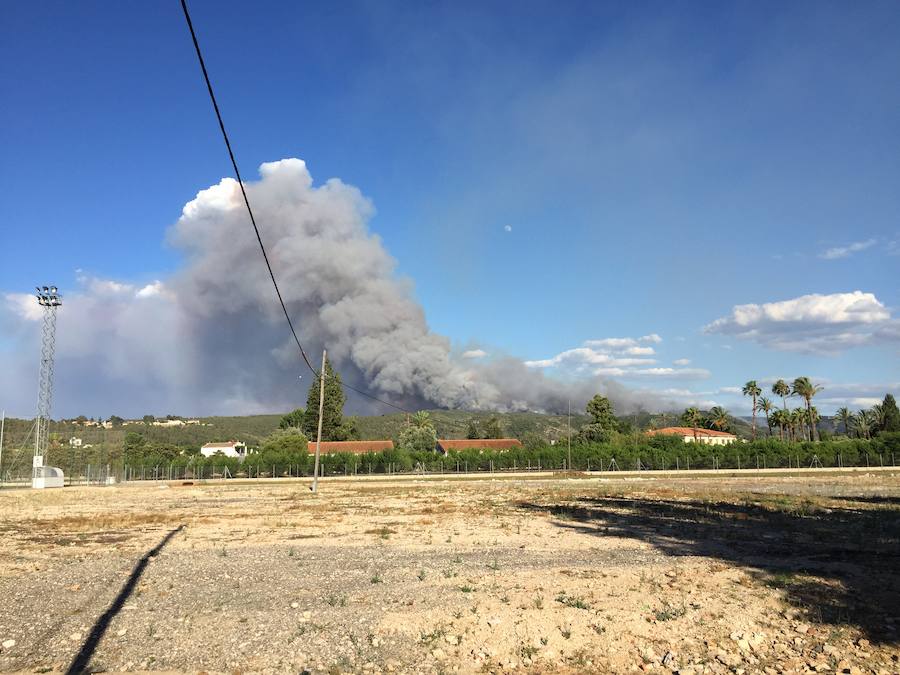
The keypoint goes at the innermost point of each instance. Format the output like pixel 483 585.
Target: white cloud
pixel 24 306
pixel 620 357
pixel 681 362
pixel 845 251
pixel 474 354
pixel 507 228
pixel 824 324
pixel 150 290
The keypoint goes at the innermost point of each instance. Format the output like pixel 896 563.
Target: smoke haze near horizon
pixel 211 339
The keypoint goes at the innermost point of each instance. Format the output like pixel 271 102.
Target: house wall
pixel 709 440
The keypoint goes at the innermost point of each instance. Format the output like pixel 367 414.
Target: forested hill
pixel 448 424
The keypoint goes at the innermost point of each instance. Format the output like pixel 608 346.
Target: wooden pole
pixel 315 485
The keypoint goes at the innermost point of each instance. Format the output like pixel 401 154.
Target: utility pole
pixel 569 433
pixel 2 425
pixel 315 485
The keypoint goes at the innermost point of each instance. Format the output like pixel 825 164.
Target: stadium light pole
pixel 49 299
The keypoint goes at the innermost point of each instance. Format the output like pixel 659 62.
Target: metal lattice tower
pixel 50 300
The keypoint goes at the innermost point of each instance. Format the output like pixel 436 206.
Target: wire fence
pixel 78 471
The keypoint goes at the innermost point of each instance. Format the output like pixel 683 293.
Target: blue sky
pixel 545 175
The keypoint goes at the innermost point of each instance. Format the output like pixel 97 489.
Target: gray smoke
pixel 213 339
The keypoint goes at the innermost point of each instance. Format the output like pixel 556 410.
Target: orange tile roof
pixel 689 431
pixel 478 444
pixel 355 447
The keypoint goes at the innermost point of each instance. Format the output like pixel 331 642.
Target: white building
pixel 707 436
pixel 229 449
pixel 75 442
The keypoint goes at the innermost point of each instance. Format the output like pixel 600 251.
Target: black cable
pixel 237 173
pixel 262 247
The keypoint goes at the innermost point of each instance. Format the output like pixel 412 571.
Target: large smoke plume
pixel 212 337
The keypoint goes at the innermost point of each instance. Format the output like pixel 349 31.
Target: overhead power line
pixel 237 173
pixel 262 247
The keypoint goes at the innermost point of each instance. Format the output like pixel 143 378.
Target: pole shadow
pixel 837 563
pixel 83 658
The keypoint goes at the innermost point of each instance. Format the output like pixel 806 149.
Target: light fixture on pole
pixel 49 299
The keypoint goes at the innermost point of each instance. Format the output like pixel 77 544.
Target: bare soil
pixel 699 575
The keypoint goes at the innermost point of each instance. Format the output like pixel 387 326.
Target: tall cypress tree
pixel 333 415
pixel 891 414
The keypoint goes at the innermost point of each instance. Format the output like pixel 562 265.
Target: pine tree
pixel 333 428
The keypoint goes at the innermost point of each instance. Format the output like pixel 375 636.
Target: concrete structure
pixel 229 449
pixel 353 447
pixel 446 444
pixel 75 442
pixel 707 436
pixel 47 477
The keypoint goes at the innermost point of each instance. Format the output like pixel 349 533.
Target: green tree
pixel 285 446
pixel 718 418
pixel 601 412
pixel 472 430
pixel 420 435
pixel 134 446
pixel 804 388
pixel 752 390
pixel 691 418
pixel 891 414
pixel 799 419
pixel 781 418
pixel 115 420
pixel 603 421
pixel 148 419
pixel 846 418
pixel 492 428
pixel 864 424
pixel 782 389
pixel 877 416
pixel 764 405
pixel 290 440
pixel 333 410
pixel 293 420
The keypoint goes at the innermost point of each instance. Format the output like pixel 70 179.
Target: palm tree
pixel 877 417
pixel 421 419
pixel 805 388
pixel 864 423
pixel 691 417
pixel 782 389
pixel 752 390
pixel 764 405
pixel 846 417
pixel 718 418
pixel 798 423
pixel 780 418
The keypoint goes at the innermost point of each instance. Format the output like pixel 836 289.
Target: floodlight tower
pixel 50 300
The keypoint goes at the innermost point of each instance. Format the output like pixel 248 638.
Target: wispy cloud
pixel 474 354
pixel 845 251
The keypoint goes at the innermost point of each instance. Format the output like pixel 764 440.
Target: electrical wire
pixel 237 174
pixel 262 247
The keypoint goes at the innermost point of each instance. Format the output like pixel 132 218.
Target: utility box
pixel 47 477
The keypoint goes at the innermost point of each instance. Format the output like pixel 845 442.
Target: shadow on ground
pixel 839 564
pixel 82 661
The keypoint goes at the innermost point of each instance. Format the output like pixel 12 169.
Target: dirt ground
pixel 741 575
